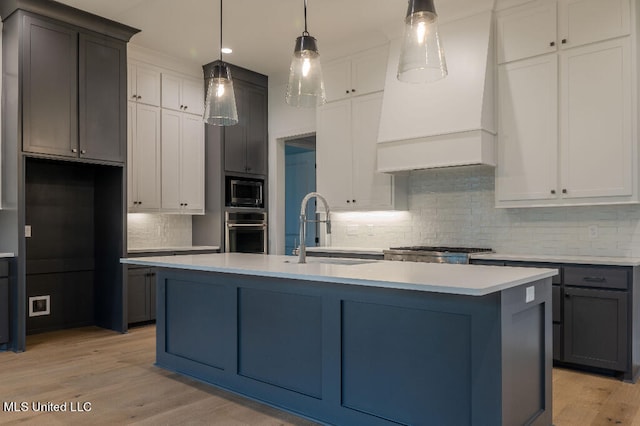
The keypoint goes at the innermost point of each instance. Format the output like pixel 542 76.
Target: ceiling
pixel 260 32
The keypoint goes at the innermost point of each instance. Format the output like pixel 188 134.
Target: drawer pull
pixel 595 279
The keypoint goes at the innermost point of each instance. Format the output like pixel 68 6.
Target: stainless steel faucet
pixel 302 252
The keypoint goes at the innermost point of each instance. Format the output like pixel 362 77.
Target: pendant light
pixel 422 56
pixel 306 87
pixel 220 105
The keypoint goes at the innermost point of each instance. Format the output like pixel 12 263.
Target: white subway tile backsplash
pixel 158 230
pixel 456 207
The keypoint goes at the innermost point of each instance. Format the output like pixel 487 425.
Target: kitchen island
pixel 350 342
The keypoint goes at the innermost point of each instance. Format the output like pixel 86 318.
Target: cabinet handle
pixel 564 41
pixel 139 97
pixel 552 44
pixel 353 90
pixel 134 97
pixel 185 107
pixel 83 151
pixel 353 201
pixel 347 92
pixel 567 295
pixel 74 150
pixel 564 191
pixel 553 191
pixel 348 201
pixel 595 279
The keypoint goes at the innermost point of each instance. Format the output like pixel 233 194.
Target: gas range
pixel 431 254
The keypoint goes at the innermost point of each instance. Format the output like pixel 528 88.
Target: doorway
pixel 300 179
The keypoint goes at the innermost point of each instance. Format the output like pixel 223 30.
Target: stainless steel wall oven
pixel 246 232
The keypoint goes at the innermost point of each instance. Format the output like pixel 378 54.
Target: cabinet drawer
pixel 556 301
pixel 4 269
pixel 602 277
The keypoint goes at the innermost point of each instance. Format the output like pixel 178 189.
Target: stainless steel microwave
pixel 244 192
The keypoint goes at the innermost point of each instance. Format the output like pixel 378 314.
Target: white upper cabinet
pixel 566 119
pixel 356 75
pixel 596 126
pixel 346 157
pixel 144 158
pixel 182 163
pixel 528 128
pixel 182 94
pixel 526 31
pixel 545 26
pixel 143 83
pixel 587 21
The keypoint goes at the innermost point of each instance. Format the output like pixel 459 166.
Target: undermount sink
pixel 335 261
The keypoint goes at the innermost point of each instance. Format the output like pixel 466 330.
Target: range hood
pixel 449 122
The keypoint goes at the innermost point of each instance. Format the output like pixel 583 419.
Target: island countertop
pixel 471 280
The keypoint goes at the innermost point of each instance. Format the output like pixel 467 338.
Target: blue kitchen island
pixel 355 342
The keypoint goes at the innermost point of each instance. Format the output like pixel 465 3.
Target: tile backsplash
pixel 158 230
pixel 456 207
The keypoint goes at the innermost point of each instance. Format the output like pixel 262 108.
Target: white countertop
pixel 586 260
pixel 3 255
pixel 473 280
pixel 343 250
pixel 174 249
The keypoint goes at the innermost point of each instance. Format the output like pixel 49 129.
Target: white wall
pixel 285 122
pixel 456 207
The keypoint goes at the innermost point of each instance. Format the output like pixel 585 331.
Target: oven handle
pixel 247 225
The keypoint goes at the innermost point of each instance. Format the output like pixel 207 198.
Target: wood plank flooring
pixel 115 373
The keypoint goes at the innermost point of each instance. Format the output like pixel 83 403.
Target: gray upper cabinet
pixel 74 92
pixel 103 71
pixel 245 144
pixel 50 85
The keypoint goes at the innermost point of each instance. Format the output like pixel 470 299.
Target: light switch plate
pixel 530 294
pixel 27 231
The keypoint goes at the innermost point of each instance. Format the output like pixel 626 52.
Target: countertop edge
pixel 583 260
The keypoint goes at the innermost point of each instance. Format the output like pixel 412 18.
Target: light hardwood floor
pixel 115 373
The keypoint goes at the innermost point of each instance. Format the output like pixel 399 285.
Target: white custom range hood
pixel 449 122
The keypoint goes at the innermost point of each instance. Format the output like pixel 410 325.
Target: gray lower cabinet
pixel 141 295
pixel 595 328
pixel 593 318
pixel 4 302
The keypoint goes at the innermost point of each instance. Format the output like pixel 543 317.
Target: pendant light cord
pixel 305 33
pixel 221 30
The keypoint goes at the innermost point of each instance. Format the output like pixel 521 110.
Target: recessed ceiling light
pixel 227 50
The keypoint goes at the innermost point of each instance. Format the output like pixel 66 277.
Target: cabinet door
pixel 102 98
pixel 147 85
pixel 528 129
pixel 337 80
pixel 255 99
pixel 369 71
pixel 50 88
pixel 334 154
pixel 370 189
pixel 132 190
pixel 171 131
pixel 193 96
pixel 596 127
pixel 138 295
pixel 146 158
pixel 171 92
pixel 595 328
pixel 192 164
pixel 235 137
pixel 588 21
pixel 526 31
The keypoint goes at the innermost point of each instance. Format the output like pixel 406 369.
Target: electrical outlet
pixel 27 231
pixel 530 294
pixel 593 232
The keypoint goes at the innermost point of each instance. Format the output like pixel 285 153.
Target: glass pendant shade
pixel 306 88
pixel 220 104
pixel 422 56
